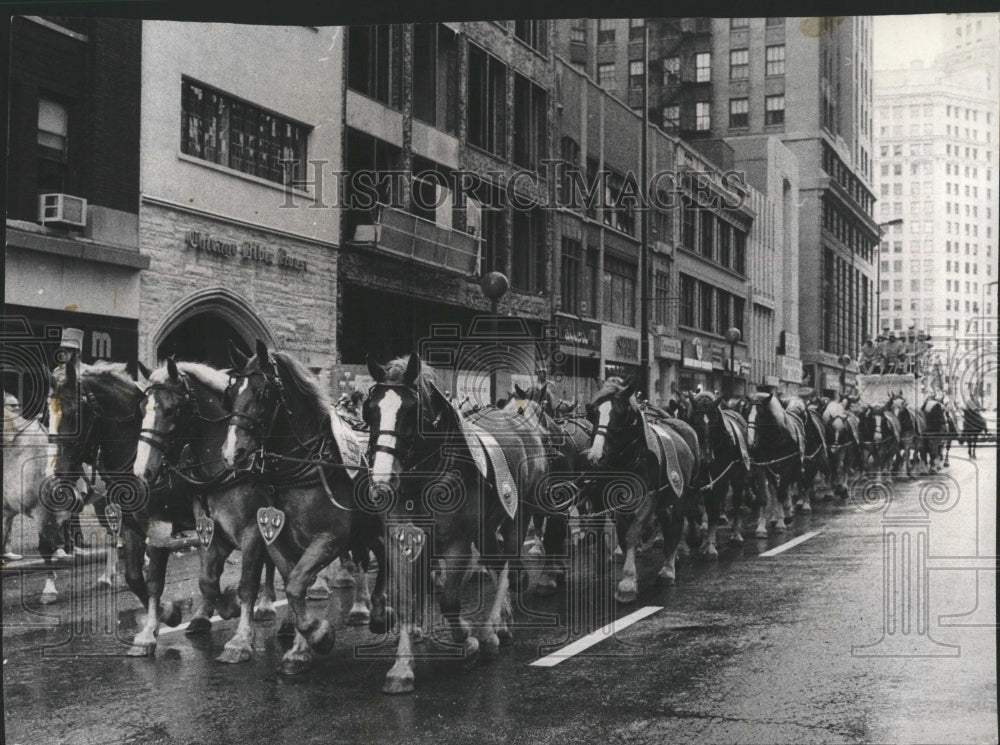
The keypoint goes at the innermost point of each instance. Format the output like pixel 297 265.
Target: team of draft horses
pixel 255 459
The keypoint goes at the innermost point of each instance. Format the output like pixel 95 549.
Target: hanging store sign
pixel 577 337
pixel 668 348
pixel 247 251
pixel 627 348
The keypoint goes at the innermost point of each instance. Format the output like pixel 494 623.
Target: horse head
pixel 705 413
pixel 177 396
pixel 403 406
pixel 613 414
pixel 252 399
pixel 765 410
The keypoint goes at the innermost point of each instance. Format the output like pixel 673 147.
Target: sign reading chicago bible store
pixel 247 251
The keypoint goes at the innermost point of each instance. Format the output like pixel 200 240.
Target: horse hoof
pixel 667 577
pixel 198 625
pixel 625 596
pixel 48 598
pixel 142 650
pixel 546 587
pixel 736 538
pixel 293 666
pixel 264 615
pixel 806 509
pixel 320 590
pixel 104 583
pixel 471 653
pixel 506 637
pixel 383 623
pixel 287 628
pixel 490 646
pixel 170 613
pixel 322 638
pixel 396 684
pixel 235 655
pixel 359 618
pixel 760 533
pixel 710 552
pixel 779 527
pixel 789 519
pixel 11 556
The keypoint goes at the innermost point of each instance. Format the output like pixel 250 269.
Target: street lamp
pixel 844 361
pixel 733 335
pixel 494 286
pixel 878 275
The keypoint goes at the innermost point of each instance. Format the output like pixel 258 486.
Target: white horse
pixel 27 465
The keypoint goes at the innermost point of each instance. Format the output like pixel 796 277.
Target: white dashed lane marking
pixel 595 637
pixel 791 544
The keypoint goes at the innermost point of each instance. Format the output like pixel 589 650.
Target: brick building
pixel 72 258
pixel 444 116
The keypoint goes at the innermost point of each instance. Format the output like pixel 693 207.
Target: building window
pixel 739 22
pixel 671 70
pixel 738 309
pixel 774 110
pixel 375 62
pixel 238 135
pixel 671 117
pixel 53 141
pixel 487 102
pixel 688 230
pixel 725 244
pixel 528 260
pixel 606 31
pixel 606 76
pixel 707 248
pixel 739 112
pixel 636 27
pixel 723 320
pixel 739 252
pixel 570 276
pixel 739 64
pixel 435 75
pixel 530 107
pixel 779 21
pixel 687 301
pixel 775 60
pixel 533 33
pixel 579 34
pixel 619 291
pixel 703 116
pixel 636 74
pixel 703 67
pixel 661 290
pixel 707 307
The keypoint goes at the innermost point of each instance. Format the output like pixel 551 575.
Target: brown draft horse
pixel 184 428
pixel 281 426
pixel 95 417
pixel 440 491
pixel 635 486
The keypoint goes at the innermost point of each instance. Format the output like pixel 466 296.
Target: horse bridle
pixel 406 456
pixel 612 455
pixel 257 428
pixel 188 405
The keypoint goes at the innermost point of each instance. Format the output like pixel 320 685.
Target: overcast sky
pixel 901 39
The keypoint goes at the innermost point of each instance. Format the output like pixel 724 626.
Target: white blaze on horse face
pixel 603 417
pixel 142 449
pixel 229 449
pixel 752 425
pixel 385 464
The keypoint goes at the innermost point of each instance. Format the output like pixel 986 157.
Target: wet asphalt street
pixel 746 649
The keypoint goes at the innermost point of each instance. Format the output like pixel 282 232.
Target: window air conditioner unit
pixel 62 209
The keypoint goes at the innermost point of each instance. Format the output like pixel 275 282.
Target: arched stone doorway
pixel 201 327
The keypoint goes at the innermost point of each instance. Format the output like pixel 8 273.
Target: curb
pixel 83 557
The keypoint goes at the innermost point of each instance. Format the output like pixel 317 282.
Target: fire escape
pixel 674 46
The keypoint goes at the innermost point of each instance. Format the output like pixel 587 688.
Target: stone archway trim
pixel 237 311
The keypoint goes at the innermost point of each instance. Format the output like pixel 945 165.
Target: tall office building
pixel 936 134
pixel 806 82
